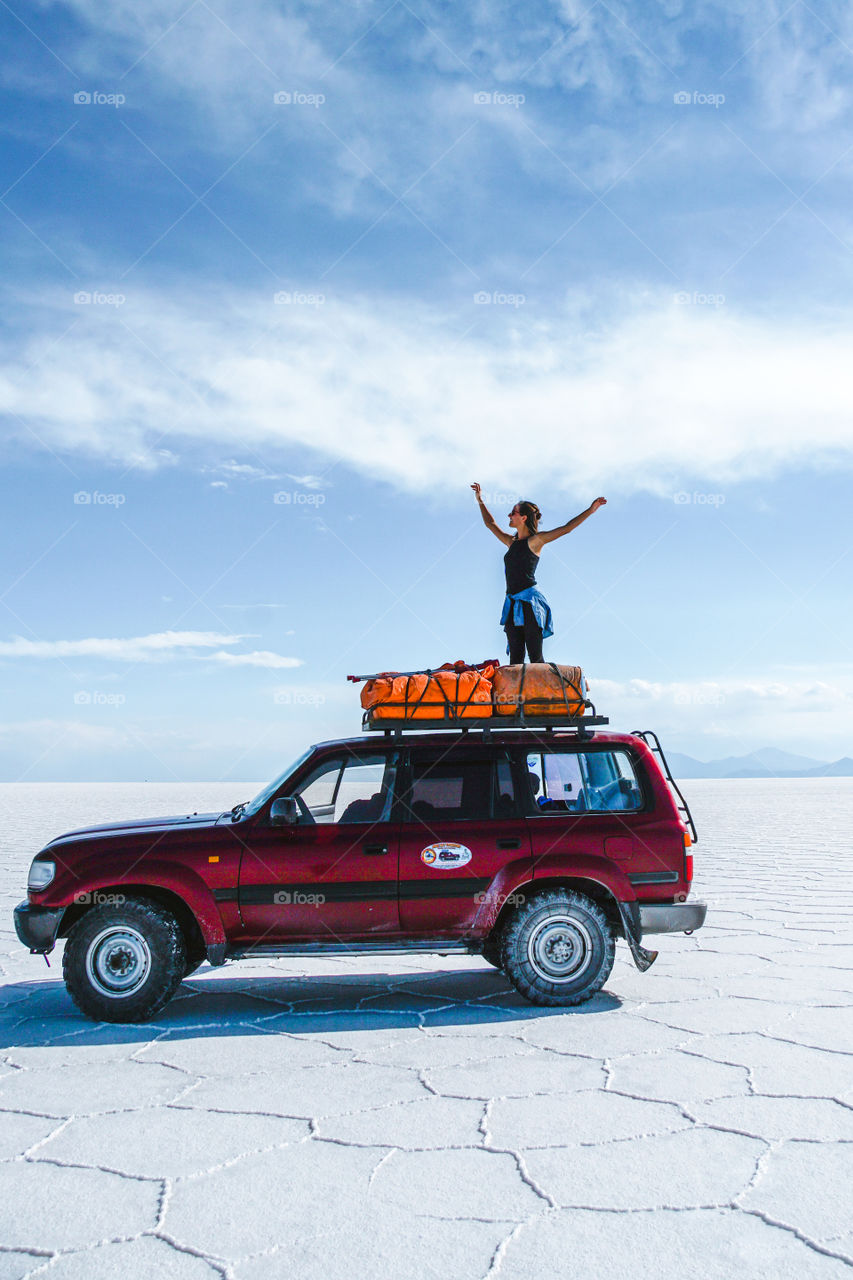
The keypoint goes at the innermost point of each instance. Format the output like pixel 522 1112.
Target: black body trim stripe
pixel 358 890
pixel 654 877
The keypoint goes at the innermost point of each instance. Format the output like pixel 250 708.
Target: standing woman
pixel 526 615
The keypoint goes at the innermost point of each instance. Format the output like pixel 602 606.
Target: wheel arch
pixel 599 892
pixel 168 898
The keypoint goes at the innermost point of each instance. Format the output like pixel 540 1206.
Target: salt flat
pixel 415 1118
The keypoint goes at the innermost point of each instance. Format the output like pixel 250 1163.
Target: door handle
pixel 374 848
pixel 509 842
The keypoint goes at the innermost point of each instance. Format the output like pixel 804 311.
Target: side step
pixel 439 947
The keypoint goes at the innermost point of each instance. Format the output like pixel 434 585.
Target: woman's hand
pixel 599 502
pixel 476 489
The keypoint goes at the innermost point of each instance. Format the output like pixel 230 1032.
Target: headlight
pixel 42 872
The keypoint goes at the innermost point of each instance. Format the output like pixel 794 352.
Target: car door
pixel 331 877
pixel 459 826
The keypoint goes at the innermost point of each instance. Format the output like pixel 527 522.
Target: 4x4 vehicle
pixel 536 849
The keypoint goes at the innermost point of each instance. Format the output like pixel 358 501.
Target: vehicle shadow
pixel 219 1002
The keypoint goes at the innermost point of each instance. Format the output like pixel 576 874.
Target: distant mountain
pixel 769 762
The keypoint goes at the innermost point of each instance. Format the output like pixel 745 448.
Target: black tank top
pixel 520 565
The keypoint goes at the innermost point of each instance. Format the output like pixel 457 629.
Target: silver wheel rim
pixel 560 949
pixel 118 961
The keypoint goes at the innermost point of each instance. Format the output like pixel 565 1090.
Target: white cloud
pixel 658 397
pixel 258 658
pixel 151 648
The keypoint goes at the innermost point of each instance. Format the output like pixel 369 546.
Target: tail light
pixel 688 858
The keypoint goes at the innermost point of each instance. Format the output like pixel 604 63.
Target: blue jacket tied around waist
pixel 541 610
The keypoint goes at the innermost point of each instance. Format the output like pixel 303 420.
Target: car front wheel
pixel 123 963
pixel 558 948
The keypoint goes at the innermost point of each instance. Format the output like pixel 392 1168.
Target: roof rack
pixel 485 724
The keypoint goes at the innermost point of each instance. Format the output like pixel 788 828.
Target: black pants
pixel 530 635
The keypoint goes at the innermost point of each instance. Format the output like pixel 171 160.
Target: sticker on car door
pixel 444 855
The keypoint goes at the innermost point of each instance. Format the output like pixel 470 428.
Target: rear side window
pixel 583 782
pixel 461 789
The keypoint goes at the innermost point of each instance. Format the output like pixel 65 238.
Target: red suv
pixel 535 849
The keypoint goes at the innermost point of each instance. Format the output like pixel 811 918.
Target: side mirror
pixel 284 812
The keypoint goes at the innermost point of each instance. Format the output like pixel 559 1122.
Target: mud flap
pixel 630 915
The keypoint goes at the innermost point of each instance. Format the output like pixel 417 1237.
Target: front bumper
pixel 674 917
pixel 37 927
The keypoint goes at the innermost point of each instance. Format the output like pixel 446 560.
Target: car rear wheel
pixel 124 963
pixel 558 948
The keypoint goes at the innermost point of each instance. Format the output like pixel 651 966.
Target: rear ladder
pixel 652 741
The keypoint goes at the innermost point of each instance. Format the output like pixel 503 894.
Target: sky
pixel 281 282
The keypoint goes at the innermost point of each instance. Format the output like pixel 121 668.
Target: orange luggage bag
pixel 447 693
pixel 539 689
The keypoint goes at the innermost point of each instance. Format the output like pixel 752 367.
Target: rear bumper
pixel 37 927
pixel 675 917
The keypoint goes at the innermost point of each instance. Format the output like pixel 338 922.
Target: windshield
pixel 260 799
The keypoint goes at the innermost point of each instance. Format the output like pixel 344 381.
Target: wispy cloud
pixel 157 647
pixel 258 658
pixel 659 395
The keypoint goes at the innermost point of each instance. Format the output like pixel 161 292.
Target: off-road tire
pixel 557 948
pixel 124 963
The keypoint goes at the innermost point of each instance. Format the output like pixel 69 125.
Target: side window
pixel 444 789
pixel 611 783
pixel 366 790
pixel 317 793
pixel 355 789
pixel 587 781
pixel 556 780
pixel 505 789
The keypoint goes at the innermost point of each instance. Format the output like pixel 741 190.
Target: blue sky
pixel 281 282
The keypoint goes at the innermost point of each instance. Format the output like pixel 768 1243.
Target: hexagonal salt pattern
pixel 413 1117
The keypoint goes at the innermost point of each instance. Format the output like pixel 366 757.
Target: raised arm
pixel 489 520
pixel 549 535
